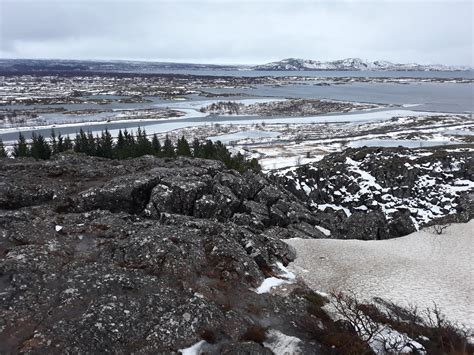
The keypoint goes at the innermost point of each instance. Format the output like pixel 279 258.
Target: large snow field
pixel 419 269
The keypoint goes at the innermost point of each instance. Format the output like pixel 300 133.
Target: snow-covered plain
pixel 419 269
pixel 227 138
pixel 164 125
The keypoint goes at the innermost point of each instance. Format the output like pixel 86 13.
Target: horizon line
pixel 197 62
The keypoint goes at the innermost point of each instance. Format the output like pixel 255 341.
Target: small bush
pixel 209 335
pixel 334 337
pixel 440 335
pixel 255 333
pixel 440 229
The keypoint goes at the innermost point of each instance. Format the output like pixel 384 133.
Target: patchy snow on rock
pixel 58 228
pixel 193 349
pixel 281 343
pixel 366 180
pixel 269 283
pixel 388 181
pixel 279 162
pixel 285 277
pixel 323 206
pixel 325 231
pixel 389 341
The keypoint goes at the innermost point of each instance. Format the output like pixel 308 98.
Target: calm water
pixel 441 97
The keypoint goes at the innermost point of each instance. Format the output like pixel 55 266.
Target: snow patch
pixel 193 349
pixel 286 277
pixel 281 343
pixel 325 231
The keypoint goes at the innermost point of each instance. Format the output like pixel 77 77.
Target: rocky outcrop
pixel 374 193
pixel 152 255
pixel 144 255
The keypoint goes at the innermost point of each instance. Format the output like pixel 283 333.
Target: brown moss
pixel 209 335
pixel 255 333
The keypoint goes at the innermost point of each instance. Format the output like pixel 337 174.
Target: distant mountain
pixel 113 66
pixel 355 64
pixel 19 66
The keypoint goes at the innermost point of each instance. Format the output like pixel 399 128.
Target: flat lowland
pixel 415 270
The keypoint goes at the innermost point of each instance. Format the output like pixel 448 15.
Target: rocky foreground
pixel 151 255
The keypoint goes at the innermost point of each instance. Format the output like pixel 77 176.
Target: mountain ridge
pixel 288 64
pixel 353 64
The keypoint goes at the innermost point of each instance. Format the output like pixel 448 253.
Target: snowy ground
pixel 418 269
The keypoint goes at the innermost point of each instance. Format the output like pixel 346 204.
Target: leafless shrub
pixel 349 309
pixel 255 333
pixel 395 327
pixel 440 228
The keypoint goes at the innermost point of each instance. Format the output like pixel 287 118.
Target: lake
pixel 416 96
pixel 321 73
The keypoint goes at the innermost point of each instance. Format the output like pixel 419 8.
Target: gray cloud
pixel 238 31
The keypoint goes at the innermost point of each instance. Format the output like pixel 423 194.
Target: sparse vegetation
pixel 391 327
pixel 255 333
pixel 440 228
pixel 349 326
pixel 3 153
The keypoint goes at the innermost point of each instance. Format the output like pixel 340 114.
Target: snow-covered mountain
pixel 351 64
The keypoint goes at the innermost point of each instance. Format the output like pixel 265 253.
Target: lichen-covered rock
pixel 154 255
pixel 143 255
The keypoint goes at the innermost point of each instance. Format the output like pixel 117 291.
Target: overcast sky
pixel 227 31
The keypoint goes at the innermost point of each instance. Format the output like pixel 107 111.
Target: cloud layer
pixel 238 31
